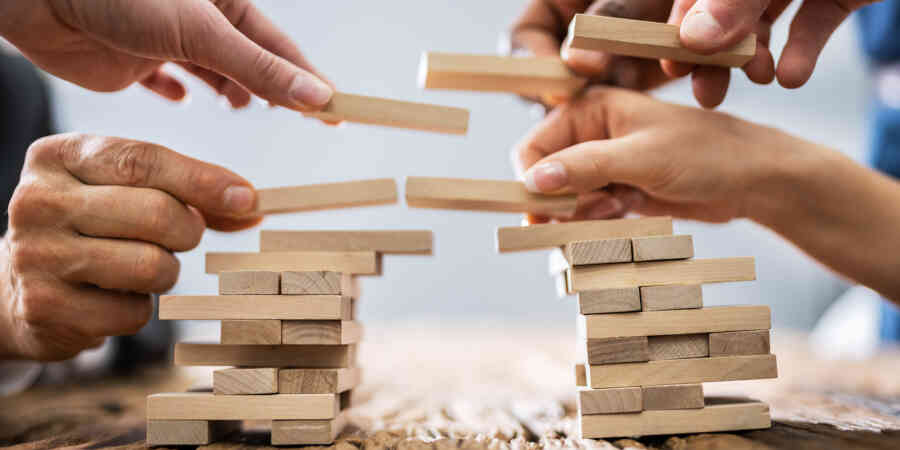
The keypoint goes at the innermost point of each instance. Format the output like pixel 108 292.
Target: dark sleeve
pixel 879 28
pixel 25 116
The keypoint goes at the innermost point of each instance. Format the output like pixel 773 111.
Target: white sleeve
pixel 16 376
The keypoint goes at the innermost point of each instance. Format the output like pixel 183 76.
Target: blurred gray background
pixel 373 48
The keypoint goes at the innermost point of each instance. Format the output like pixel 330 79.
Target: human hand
pixel 110 44
pixel 93 225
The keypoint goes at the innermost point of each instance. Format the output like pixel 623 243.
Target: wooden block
pixel 561 284
pixel 743 415
pixel 532 237
pixel 319 283
pixel 657 248
pixel 601 251
pixel 320 332
pixel 318 381
pixel 617 350
pixel 208 406
pixel 754 342
pixel 410 242
pixel 644 39
pixel 307 432
pixel 673 396
pixel 251 332
pixel 484 195
pixel 188 432
pixel 317 197
pixel 249 283
pixel 609 401
pixel 684 321
pixel 689 271
pixel 671 296
pixel 394 113
pixel 602 301
pixel 234 381
pixel 524 76
pixel 306 356
pixel 678 346
pixel 360 263
pixel 580 375
pixel 682 371
pixel 285 307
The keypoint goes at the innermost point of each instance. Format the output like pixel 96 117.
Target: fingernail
pixel 238 199
pixel 546 177
pixel 701 26
pixel 309 90
pixel 605 209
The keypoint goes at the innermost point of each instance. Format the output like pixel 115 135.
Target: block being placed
pixel 393 113
pixel 673 396
pixel 617 350
pixel 484 195
pixel 412 242
pixel 208 406
pixel 318 381
pixel 689 271
pixel 360 263
pixel 315 197
pixel 319 283
pixel 320 332
pixel 656 248
pixel 307 432
pixel 251 332
pixel 240 307
pixel 671 296
pixel 311 356
pixel 682 321
pixel 249 283
pixel 245 381
pixel 678 346
pixel 603 301
pixel 601 251
pixel 609 401
pixel 188 432
pixel 534 76
pixel 755 342
pixel 682 371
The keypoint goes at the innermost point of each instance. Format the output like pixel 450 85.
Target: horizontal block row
pixel 711 319
pixel 678 346
pixel 301 356
pixel 554 235
pixel 682 371
pixel 290 332
pixel 256 282
pixel 281 307
pixel 316 197
pixel 393 113
pixel 208 406
pixel 689 271
pixel 357 263
pixel 637 249
pixel 645 298
pixel 636 399
pixel 483 195
pixel 268 380
pixel 409 242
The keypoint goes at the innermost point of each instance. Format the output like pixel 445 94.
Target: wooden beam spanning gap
pixel 484 195
pixel 317 197
pixel 532 76
pixel 360 263
pixel 412 242
pixel 393 113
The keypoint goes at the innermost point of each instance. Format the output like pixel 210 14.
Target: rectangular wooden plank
pixel 645 39
pixel 188 432
pixel 393 113
pixel 359 263
pixel 682 371
pixel 617 350
pixel 208 406
pixel 671 296
pixel 673 396
pixel 534 76
pixel 320 332
pixel 318 381
pixel 245 381
pixel 251 282
pixel 317 197
pixel 251 332
pixel 660 248
pixel 580 375
pixel 409 242
pixel 284 307
pixel 744 415
pixel 305 356
pixel 689 271
pixel 602 251
pixel 683 321
pixel 609 401
pixel 307 432
pixel 319 283
pixel 532 237
pixel 603 301
pixel 755 342
pixel 484 195
pixel 678 346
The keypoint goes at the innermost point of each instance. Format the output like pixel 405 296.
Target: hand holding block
pixel 316 197
pixel 525 76
pixel 644 39
pixel 394 113
pixel 483 195
pixel 532 237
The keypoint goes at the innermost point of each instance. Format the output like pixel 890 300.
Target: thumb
pixel 715 25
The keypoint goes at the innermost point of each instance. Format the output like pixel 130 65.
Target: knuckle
pixel 267 67
pixel 36 303
pixel 155 270
pixel 135 162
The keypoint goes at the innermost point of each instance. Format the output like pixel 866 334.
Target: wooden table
pixel 445 386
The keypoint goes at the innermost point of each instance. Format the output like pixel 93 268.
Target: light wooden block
pixel 394 113
pixel 739 415
pixel 284 307
pixel 410 242
pixel 319 283
pixel 360 263
pixel 208 406
pixel 307 432
pixel 609 401
pixel 671 296
pixel 580 375
pixel 245 381
pixel 658 248
pixel 673 396
pixel 682 371
pixel 683 321
pixel 524 76
pixel 484 195
pixel 306 356
pixel 188 432
pixel 603 301
pixel 754 342
pixel 617 350
pixel 689 271
pixel 251 332
pixel 601 251
pixel 249 283
pixel 532 237
pixel 678 346
pixel 317 197
pixel 318 381
pixel 320 332
pixel 645 39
